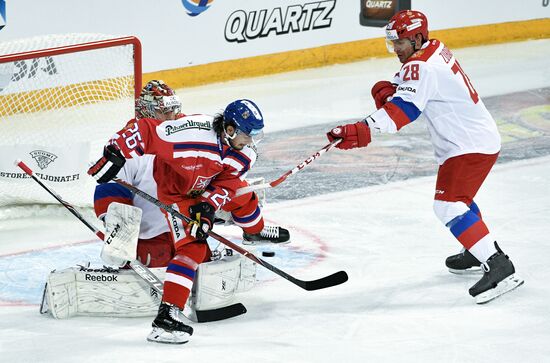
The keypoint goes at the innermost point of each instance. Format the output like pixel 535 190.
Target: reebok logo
pixel 102 278
pixel 104 269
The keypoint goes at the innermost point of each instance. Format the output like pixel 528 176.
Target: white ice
pixel 400 304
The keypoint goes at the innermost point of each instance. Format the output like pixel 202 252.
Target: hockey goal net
pixel 61 98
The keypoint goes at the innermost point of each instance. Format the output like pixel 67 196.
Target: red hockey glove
pixel 352 135
pixel 202 218
pixel 381 92
pixel 106 168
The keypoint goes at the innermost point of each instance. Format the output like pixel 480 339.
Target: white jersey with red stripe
pixel 191 160
pixel 432 82
pixel 139 173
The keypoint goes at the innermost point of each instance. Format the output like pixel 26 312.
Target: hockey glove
pixel 352 135
pixel 202 219
pixel 106 168
pixel 382 92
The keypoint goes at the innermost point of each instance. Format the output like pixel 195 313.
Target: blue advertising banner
pixel 2 14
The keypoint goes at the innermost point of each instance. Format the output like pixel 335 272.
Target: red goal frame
pixel 99 44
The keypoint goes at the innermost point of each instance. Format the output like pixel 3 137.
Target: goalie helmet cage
pixel 61 98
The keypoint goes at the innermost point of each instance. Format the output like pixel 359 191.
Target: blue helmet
pixel 246 115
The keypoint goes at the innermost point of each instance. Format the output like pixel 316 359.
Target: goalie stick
pixel 336 278
pixel 140 269
pixel 136 265
pixel 283 177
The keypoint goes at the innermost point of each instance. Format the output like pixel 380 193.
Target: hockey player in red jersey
pixel 464 136
pixel 155 247
pixel 200 161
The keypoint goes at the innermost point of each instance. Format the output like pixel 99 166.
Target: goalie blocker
pixel 113 292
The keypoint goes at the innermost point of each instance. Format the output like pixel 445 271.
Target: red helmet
pixel 156 96
pixel 406 24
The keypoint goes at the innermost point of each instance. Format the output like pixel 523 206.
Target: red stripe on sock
pixel 472 235
pixel 175 294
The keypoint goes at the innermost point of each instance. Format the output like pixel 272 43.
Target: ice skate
pixel 269 234
pixel 168 328
pixel 463 263
pixel 498 278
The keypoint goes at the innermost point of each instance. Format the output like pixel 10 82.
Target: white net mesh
pixel 56 113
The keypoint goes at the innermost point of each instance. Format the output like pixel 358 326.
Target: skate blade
pixel 470 271
pixel 159 335
pixel 263 243
pixel 506 285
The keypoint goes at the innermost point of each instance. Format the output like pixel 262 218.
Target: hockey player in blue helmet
pixel 241 124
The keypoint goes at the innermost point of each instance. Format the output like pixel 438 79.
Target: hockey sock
pixel 178 283
pixel 474 208
pixel 473 234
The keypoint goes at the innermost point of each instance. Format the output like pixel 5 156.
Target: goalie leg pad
pixel 59 298
pixel 100 292
pixel 247 277
pixel 215 285
pixel 122 223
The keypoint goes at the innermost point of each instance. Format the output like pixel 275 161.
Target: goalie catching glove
pixel 202 218
pixel 106 168
pixel 352 135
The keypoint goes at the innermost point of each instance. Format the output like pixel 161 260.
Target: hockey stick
pixel 136 265
pixel 296 169
pixel 327 281
pixel 202 316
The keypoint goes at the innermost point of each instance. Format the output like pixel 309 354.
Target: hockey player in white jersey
pixel 464 136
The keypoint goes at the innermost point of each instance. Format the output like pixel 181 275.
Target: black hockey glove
pixel 106 168
pixel 202 217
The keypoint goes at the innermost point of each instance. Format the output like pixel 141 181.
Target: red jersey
pixel 191 159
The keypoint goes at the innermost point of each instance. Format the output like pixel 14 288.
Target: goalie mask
pixel 156 97
pixel 245 116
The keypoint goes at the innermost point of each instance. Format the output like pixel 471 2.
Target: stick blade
pixel 328 281
pixel 204 316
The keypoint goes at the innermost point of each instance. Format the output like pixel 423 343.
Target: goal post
pixel 61 98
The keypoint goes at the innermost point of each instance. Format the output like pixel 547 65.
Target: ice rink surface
pixel 367 212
